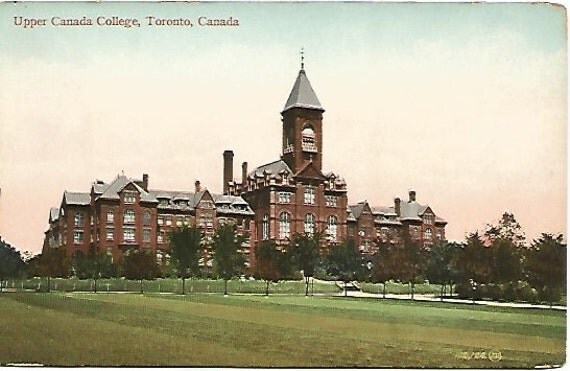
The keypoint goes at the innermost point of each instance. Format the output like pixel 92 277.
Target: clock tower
pixel 302 120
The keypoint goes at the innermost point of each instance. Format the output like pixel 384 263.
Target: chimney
pixel 243 176
pixel 197 187
pixel 228 170
pixel 145 182
pixel 412 194
pixel 397 205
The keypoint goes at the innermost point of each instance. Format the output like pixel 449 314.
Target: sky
pixel 464 103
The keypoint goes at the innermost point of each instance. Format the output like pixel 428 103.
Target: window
pixel 308 139
pixel 331 200
pixel 168 219
pixel 284 225
pixel 427 234
pixel 129 197
pixel 416 232
pixel 309 195
pixel 109 233
pixel 332 227
pixel 428 219
pixel 309 224
pixel 146 235
pixel 284 197
pixel 78 219
pixel 159 257
pixel 146 218
pixel 265 227
pixel 186 220
pixel 179 221
pixel 77 236
pixel 110 216
pixel 128 234
pixel 160 220
pixel 159 238
pixel 129 216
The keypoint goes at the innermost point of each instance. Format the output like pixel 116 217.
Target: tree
pixel 384 265
pixel 52 262
pixel 545 265
pixel 11 263
pixel 185 247
pixel 227 253
pixel 474 264
pixel 411 262
pixel 139 265
pixel 345 262
pixel 440 268
pixel 507 267
pixel 304 250
pixel 271 263
pixel 93 265
pixel 507 229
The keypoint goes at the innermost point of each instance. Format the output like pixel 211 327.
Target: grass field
pixel 249 330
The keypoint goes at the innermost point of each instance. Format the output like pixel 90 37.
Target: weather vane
pixel 302 58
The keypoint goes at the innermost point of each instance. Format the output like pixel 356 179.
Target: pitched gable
pixel 310 171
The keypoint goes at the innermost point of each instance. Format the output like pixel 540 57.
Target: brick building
pixel 271 202
pixel 125 213
pixel 368 225
pixel 293 194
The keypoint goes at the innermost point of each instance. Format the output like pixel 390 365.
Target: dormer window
pixel 129 197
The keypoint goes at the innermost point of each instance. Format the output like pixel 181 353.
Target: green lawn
pixel 250 330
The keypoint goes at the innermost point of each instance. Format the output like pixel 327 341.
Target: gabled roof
pixel 112 190
pixel 274 168
pixel 310 171
pixel 357 209
pixel 76 198
pixel 302 95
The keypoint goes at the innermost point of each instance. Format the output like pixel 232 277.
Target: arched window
pixel 308 138
pixel 332 222
pixel 284 225
pixel 129 216
pixel 265 227
pixel 309 224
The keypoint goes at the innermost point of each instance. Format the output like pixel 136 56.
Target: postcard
pixel 283 184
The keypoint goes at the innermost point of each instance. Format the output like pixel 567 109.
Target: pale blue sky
pixel 466 103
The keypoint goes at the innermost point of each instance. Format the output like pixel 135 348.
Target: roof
pixel 274 168
pixel 229 204
pixel 173 196
pixel 357 209
pixel 77 198
pixel 111 191
pixel 302 95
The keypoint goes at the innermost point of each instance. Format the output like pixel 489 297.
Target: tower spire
pixel 302 58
